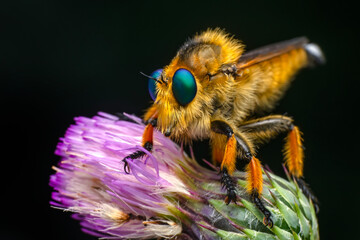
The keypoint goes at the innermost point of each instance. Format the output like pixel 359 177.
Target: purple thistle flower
pixel 167 194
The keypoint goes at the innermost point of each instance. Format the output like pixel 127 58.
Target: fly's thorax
pixel 190 122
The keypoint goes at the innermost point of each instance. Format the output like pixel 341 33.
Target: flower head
pixel 167 193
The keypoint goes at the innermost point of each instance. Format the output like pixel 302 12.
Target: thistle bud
pixel 167 194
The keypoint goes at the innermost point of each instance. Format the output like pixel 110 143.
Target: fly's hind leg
pixel 263 129
pixel 226 154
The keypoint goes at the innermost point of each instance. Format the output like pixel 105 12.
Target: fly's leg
pixel 228 183
pixel 263 129
pixel 226 156
pixel 234 143
pixel 308 192
pixel 147 143
pixel 229 69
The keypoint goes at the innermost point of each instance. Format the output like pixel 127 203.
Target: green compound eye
pixel 183 86
pixel 152 84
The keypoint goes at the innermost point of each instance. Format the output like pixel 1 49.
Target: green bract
pixel 293 214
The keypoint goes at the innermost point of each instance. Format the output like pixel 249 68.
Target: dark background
pixel 62 59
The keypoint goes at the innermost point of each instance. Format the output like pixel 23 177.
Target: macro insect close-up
pixel 213 88
pixel 200 120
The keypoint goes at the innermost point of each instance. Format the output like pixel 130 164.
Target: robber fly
pixel 211 90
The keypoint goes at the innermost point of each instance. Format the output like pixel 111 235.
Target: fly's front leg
pixel 147 143
pixel 229 69
pixel 235 143
pixel 147 138
pixel 263 129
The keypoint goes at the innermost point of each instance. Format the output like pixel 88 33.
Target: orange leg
pixel 254 176
pixel 228 154
pixel 147 143
pixel 229 159
pixel 234 144
pixel 150 119
pixel 147 138
pixel 294 153
pixel 294 159
pixel 263 129
pixel 228 166
pixel 255 187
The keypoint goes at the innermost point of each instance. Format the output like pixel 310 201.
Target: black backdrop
pixel 62 59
